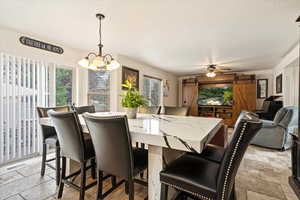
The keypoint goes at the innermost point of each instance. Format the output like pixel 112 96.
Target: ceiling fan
pixel 212 70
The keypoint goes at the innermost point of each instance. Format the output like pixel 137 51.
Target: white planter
pixel 131 113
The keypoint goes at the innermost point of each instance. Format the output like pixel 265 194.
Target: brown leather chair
pixel 73 146
pixel 84 109
pixel 114 152
pixel 49 137
pixel 180 111
pixel 200 178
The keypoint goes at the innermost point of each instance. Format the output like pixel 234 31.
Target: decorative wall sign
pixel 279 84
pixel 131 75
pixel 262 88
pixel 41 45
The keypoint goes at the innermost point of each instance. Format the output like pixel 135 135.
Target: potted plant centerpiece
pixel 131 100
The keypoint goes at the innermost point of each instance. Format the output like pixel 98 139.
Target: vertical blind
pixel 24 84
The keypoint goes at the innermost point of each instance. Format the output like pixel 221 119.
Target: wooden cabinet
pixel 190 97
pixel 244 96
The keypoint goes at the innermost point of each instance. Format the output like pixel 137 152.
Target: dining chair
pixel 75 147
pixel 84 109
pixel 49 137
pixel 214 152
pixel 180 111
pixel 114 152
pixel 150 110
pixel 199 178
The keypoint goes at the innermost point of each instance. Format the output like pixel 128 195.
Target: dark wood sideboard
pixel 294 180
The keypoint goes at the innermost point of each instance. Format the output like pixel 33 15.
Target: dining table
pixel 166 137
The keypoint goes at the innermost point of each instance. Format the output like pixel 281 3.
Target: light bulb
pixel 84 62
pixel 98 62
pixel 113 65
pixel 210 74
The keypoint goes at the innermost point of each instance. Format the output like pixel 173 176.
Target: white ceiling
pixel 174 35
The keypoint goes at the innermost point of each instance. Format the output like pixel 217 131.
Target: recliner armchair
pixel 277 134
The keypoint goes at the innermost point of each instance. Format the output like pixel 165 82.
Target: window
pixel 99 86
pixel 63 79
pixel 152 90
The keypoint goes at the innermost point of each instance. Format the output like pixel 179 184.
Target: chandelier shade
pixel 98 61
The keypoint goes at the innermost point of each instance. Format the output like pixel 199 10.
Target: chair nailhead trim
pixel 192 193
pixel 231 159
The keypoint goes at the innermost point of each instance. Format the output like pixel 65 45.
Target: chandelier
pixel 98 61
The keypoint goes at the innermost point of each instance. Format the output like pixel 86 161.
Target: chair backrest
pixel 150 110
pixel 48 131
pixel 285 115
pixel 69 133
pixel 112 142
pixel 180 111
pixel 266 105
pixel 84 109
pixel 294 119
pixel 245 130
pixel 43 111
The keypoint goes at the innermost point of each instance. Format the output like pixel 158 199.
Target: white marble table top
pixel 175 132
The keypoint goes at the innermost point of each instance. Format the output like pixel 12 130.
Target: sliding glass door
pixel 23 86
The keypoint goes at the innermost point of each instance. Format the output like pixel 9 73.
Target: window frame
pixel 91 94
pixel 161 89
pixel 52 82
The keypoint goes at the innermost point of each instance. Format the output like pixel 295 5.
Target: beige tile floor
pixel 263 175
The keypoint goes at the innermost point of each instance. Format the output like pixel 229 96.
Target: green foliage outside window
pixel 63 87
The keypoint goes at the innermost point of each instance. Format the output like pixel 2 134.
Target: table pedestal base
pixel 158 157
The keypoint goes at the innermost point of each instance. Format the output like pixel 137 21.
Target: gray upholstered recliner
pixel 277 134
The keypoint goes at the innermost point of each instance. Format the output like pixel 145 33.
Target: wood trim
pixel 147 76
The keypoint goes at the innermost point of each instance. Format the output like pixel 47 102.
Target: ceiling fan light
pixel 84 62
pixel 113 65
pixel 210 74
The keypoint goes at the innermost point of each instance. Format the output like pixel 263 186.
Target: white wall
pixel 288 67
pixel 9 43
pixel 144 69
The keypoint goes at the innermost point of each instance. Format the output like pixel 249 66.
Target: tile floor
pixel 263 175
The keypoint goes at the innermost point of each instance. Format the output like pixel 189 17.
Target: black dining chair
pixel 179 111
pixel 214 152
pixel 83 109
pixel 75 147
pixel 114 152
pixel 199 178
pixel 49 137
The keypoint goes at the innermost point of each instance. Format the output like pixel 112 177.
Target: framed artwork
pixel 131 75
pixel 262 88
pixel 279 84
